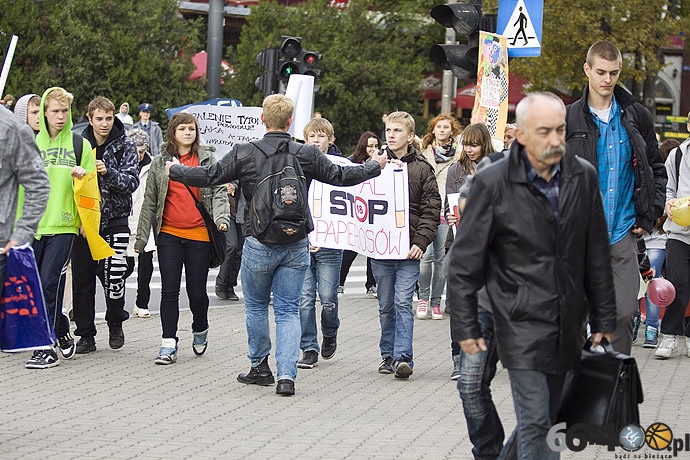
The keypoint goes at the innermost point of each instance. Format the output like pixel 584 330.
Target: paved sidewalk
pixel 120 405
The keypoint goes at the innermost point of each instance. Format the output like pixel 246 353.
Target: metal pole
pixel 449 81
pixel 215 47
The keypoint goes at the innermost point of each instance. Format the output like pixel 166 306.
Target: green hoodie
pixel 58 155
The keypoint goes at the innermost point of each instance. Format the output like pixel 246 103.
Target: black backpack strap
pixel 679 158
pixel 78 145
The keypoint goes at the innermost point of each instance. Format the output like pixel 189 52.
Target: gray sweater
pixel 676 188
pixel 20 164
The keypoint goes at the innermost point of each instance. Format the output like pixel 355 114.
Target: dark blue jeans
pixel 52 256
pixel 476 373
pixel 536 397
pixel 230 269
pixel 173 254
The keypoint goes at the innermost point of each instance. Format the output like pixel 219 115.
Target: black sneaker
pixel 403 370
pixel 117 336
pixel 328 347
pixel 221 293
pixel 43 359
pixel 285 387
pixel 230 294
pixel 386 366
pixel 259 375
pixel 66 346
pixel 86 345
pixel 309 359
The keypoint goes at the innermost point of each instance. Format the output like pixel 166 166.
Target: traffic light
pixel 268 79
pixel 465 19
pixel 290 52
pixel 308 63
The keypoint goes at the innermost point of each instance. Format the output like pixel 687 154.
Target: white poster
pixel 226 126
pixel 300 89
pixel 371 218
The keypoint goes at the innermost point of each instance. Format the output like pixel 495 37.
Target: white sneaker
pixel 141 312
pixel 436 312
pixel 423 309
pixel 668 347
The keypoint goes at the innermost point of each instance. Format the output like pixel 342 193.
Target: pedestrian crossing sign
pixel 520 21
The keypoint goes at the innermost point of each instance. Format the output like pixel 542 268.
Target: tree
pixel 373 61
pixel 638 27
pixel 126 50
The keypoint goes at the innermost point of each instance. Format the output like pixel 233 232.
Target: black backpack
pixel 278 211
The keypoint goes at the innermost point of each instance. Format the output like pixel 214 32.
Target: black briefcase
pixel 605 389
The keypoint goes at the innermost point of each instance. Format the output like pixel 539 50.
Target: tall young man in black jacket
pixel 615 133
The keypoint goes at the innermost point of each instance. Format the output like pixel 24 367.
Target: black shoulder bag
pixel 215 236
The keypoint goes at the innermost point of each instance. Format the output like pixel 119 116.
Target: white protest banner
pixel 371 218
pixel 226 126
pixel 453 199
pixel 300 89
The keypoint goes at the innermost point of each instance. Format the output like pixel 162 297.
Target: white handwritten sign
pixel 227 126
pixel 453 199
pixel 371 218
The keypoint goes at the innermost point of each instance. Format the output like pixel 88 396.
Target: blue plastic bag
pixel 24 321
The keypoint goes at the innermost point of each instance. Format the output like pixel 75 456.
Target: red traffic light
pixel 310 59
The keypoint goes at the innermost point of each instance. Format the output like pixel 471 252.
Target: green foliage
pixel 373 62
pixel 637 27
pixel 126 50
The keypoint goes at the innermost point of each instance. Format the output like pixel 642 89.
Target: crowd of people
pixel 540 247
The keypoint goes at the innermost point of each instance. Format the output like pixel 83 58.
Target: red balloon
pixel 661 292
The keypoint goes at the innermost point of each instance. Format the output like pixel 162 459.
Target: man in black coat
pixel 533 231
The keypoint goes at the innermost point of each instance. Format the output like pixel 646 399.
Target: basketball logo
pixel 659 436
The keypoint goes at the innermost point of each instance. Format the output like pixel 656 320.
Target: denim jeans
pixel 656 261
pixel 281 269
pixel 323 276
pixel 174 253
pixel 431 277
pixel 396 280
pixel 476 373
pixel 536 397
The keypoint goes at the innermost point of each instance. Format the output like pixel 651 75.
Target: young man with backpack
pixel 274 175
pixel 65 157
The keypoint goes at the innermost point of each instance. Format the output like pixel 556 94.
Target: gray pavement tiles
pixel 118 404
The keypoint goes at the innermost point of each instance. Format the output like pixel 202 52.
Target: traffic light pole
pixel 215 48
pixel 449 82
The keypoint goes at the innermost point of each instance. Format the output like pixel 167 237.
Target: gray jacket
pixel 214 199
pixel 20 164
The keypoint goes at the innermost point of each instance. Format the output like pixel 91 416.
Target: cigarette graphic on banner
pixel 317 199
pixel 399 186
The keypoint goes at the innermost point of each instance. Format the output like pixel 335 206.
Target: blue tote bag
pixel 24 321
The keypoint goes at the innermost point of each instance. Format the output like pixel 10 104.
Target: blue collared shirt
pixel 550 189
pixel 616 176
